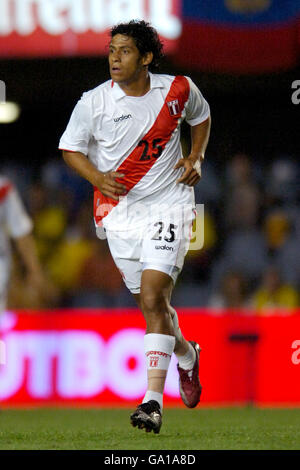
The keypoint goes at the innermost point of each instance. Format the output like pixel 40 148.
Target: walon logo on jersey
pixel 173 107
pixel 123 117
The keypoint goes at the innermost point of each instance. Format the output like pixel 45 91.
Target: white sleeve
pixel 197 108
pixel 18 221
pixel 78 132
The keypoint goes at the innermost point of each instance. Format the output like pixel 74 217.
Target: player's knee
pixel 154 303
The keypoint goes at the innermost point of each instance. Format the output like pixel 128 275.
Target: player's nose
pixel 116 57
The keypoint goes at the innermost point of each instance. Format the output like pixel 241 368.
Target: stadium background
pixel 240 293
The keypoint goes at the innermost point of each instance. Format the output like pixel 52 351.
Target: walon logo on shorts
pixel 123 117
pixel 164 247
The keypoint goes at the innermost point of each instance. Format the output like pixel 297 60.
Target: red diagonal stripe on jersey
pixel 4 191
pixel 159 135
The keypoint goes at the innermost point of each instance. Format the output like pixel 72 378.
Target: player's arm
pixel 35 275
pixel 27 250
pixel 19 226
pixel 192 164
pixel 105 182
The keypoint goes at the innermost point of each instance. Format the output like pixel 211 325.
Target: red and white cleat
pixel 189 383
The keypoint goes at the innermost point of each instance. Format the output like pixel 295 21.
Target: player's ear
pixel 147 58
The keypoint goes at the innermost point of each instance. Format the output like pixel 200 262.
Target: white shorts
pixel 159 245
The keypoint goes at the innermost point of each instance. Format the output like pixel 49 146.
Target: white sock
pixel 158 350
pixel 150 395
pixel 187 361
pixel 177 330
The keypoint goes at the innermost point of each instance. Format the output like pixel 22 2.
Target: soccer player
pixel 124 138
pixel 16 224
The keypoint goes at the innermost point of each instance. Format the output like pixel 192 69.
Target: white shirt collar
pixel 118 93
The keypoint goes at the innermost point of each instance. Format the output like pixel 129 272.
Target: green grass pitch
pixel 183 429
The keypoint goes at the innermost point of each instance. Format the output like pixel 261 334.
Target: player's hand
pixel 108 185
pixel 192 171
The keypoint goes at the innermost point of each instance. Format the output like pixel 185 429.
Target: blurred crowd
pixel 250 258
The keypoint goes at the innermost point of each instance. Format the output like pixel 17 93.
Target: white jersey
pixel 139 137
pixel 14 223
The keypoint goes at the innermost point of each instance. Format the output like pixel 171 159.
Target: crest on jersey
pixel 173 107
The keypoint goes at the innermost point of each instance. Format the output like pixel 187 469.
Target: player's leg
pixel 182 346
pixel 187 353
pixel 184 351
pixel 148 414
pixel 159 342
pixel 159 338
pixel 154 295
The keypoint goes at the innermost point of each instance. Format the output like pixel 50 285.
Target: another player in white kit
pixel 16 224
pixel 124 138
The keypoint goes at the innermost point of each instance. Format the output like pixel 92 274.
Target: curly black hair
pixel 145 37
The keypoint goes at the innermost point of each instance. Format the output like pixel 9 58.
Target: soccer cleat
pixel 147 416
pixel 189 383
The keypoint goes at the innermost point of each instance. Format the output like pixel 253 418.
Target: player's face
pixel 125 61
